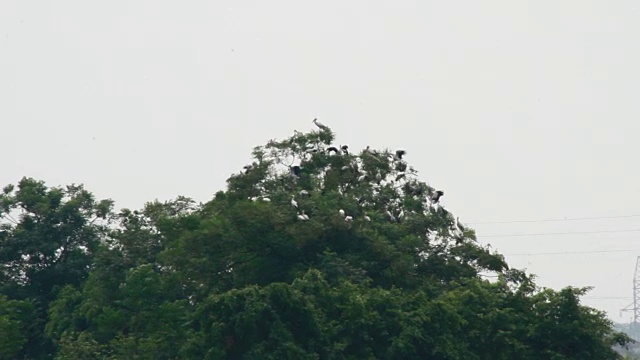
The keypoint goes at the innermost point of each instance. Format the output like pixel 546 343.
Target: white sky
pixel 518 110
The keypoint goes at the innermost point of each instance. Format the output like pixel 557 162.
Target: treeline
pixel 312 252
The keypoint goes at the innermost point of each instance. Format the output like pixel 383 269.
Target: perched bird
pixel 378 176
pixel 253 198
pixel 400 154
pixel 247 168
pixel 341 212
pixel 345 149
pixel 319 124
pixel 400 176
pixel 367 218
pixel 302 216
pixel 294 203
pixel 458 225
pixel 295 170
pixel 435 197
pixel 266 199
pixel 348 218
pixel 362 177
pixel 304 193
pixel 346 167
pixel 332 148
pixel 401 215
pixel 390 215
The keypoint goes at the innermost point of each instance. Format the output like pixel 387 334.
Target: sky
pixel 518 110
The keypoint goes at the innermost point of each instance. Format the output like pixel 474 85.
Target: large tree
pixel 312 252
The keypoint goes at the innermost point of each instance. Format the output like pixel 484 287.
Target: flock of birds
pixel 433 196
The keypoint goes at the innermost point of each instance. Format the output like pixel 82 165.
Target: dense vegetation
pixel 248 275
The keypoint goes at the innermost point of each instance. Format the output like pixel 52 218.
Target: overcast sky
pixel 518 110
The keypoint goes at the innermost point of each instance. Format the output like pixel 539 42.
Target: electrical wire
pixel 554 220
pixel 574 252
pixel 560 233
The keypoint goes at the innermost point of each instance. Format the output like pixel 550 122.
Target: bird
pixel 304 193
pixel 253 198
pixel 266 199
pixel 341 212
pixel 294 203
pixel 332 148
pixel 378 176
pixel 367 218
pixel 345 149
pixel 458 225
pixel 400 154
pixel 302 216
pixel 401 215
pixel 319 124
pixel 400 176
pixel 362 177
pixel 247 168
pixel 295 170
pixel 346 167
pixel 348 218
pixel 390 215
pixel 435 197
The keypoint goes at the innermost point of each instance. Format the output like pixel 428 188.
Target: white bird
pixel 303 216
pixel 367 218
pixel 266 199
pixel 253 198
pixel 362 177
pixel 304 193
pixel 319 124
pixel 401 215
pixel 341 212
pixel 400 154
pixel 348 218
pixel 294 203
pixel 391 217
pixel 345 149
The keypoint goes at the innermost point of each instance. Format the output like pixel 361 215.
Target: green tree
pixel 315 253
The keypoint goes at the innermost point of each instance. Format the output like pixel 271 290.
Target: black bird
pixel 400 154
pixel 247 168
pixel 332 148
pixel 435 197
pixel 295 170
pixel 345 149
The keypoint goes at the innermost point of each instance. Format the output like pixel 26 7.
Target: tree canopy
pixel 312 252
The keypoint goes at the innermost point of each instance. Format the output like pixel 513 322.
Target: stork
pixel 390 215
pixel 319 124
pixel 400 176
pixel 367 218
pixel 247 168
pixel 345 149
pixel 304 193
pixel 400 154
pixel 435 197
pixel 332 148
pixel 295 170
pixel 266 199
pixel 348 218
pixel 294 203
pixel 362 177
pixel 302 216
pixel 341 212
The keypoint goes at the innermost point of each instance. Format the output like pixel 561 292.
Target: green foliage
pixel 248 276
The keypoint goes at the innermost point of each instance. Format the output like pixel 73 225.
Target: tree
pixel 47 240
pixel 248 276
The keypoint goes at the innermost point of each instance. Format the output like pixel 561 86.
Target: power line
pixel 560 233
pixel 574 252
pixel 553 220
